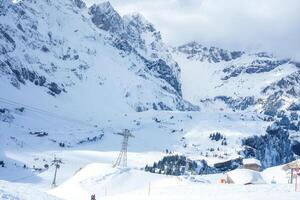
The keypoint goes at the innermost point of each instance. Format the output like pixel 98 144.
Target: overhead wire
pixel 44 112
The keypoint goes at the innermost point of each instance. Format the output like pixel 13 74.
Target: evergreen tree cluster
pixel 172 165
pixel 179 165
pixel 272 149
pixel 217 137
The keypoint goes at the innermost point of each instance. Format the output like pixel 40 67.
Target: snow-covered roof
pixel 293 165
pixel 249 161
pixel 245 176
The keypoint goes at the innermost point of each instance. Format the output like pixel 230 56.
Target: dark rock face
pixel 105 17
pixel 257 66
pixel 54 88
pixel 3 6
pixel 160 106
pixel 7 43
pixel 135 26
pixel 210 54
pixel 165 72
pixel 13 66
pixel 294 107
pixel 286 88
pixel 297 64
pixel 127 33
pixel 181 105
pixel 273 104
pixel 79 3
pixel 6 116
pixel 39 134
pixel 238 104
pixel 271 149
pixel 285 123
pixel 20 75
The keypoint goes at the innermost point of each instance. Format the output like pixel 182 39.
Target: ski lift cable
pixel 43 112
pixel 24 177
pixel 48 113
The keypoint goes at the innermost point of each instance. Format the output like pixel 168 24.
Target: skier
pixel 93 197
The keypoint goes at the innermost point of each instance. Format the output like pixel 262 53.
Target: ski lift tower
pixel 56 162
pixel 122 158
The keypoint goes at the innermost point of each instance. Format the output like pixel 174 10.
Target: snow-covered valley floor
pixel 87 167
pixel 78 181
pixel 109 183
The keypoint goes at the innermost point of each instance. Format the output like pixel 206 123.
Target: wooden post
pixel 296 184
pixel 296 181
pixel 292 176
pixel 149 188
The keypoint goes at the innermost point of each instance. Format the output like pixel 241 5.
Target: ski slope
pixel 129 183
pixel 13 191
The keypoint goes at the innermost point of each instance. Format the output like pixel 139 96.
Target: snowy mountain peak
pixel 139 21
pixel 79 3
pixel 194 50
pixel 105 17
pixel 54 49
pixel 133 34
pixel 105 7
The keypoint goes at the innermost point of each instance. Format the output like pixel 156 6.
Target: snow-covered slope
pixel 238 79
pixel 72 76
pixel 59 52
pixel 9 191
pixel 111 183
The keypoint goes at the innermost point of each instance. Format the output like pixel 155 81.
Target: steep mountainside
pixel 240 80
pixel 61 49
pixel 72 76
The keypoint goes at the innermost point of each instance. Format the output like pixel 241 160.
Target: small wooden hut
pixel 252 163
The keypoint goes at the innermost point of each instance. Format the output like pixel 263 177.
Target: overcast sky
pixel 252 25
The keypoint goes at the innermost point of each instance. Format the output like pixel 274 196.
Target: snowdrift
pixel 13 191
pixel 103 180
pixel 245 177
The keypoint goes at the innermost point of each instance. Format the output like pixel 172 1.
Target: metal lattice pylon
pixel 56 162
pixel 122 158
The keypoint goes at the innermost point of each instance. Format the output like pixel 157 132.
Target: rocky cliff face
pixel 241 80
pixel 58 45
pixel 135 35
pixel 196 51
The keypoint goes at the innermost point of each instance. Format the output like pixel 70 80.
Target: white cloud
pixel 253 25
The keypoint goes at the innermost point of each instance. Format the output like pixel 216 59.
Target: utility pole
pixel 56 162
pixel 122 158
